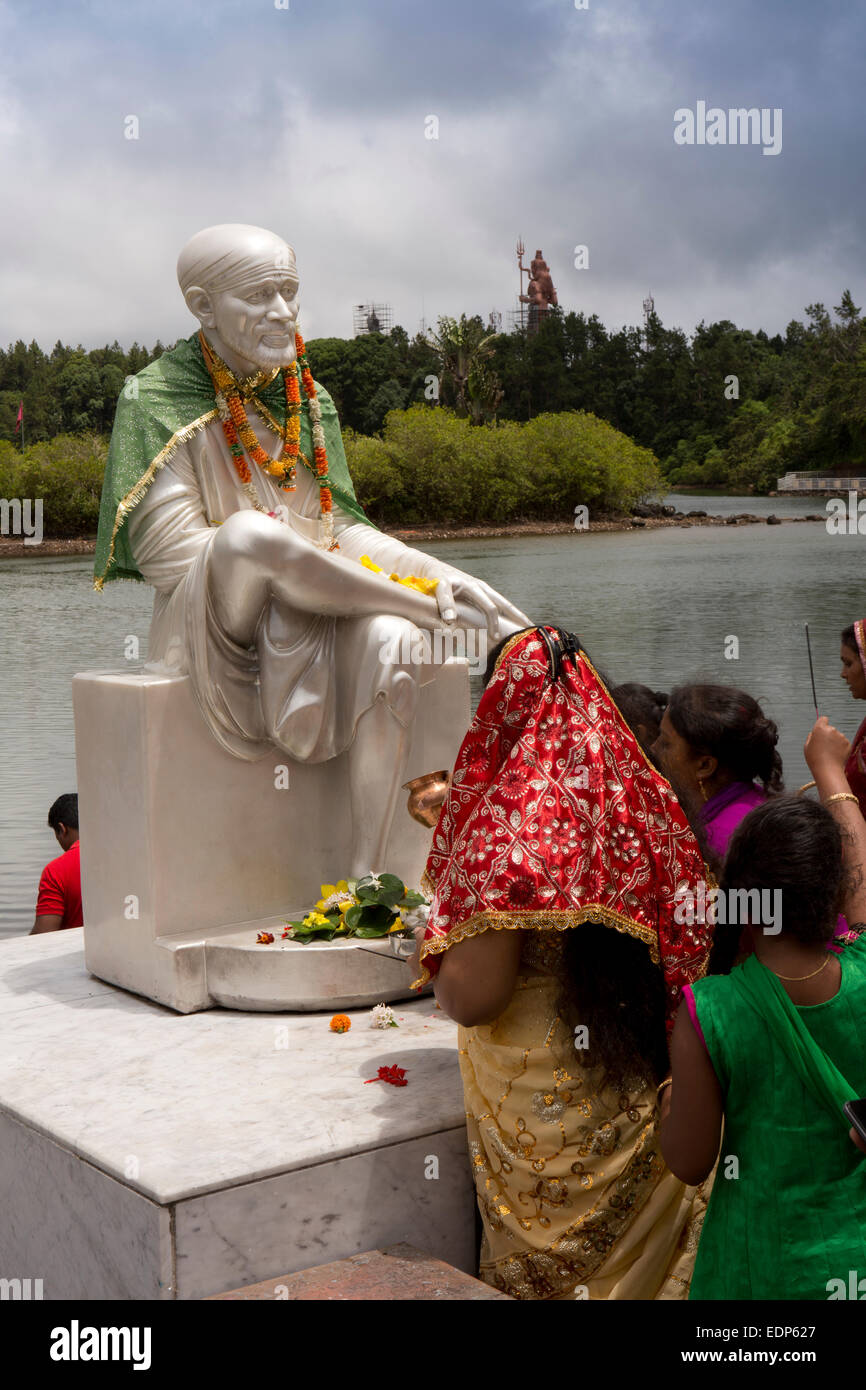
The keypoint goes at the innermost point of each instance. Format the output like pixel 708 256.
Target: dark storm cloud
pixel 553 122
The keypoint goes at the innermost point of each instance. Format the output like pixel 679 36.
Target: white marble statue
pixel 289 644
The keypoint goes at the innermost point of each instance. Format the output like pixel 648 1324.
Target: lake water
pixel 652 606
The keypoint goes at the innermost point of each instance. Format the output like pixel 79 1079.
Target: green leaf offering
pixel 378 900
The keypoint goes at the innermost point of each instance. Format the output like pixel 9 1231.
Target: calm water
pixel 652 606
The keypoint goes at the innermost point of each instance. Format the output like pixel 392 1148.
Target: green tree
pixel 463 349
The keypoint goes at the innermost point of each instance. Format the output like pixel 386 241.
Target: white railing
pixel 819 482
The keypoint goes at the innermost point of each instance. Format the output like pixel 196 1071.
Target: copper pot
pixel 426 795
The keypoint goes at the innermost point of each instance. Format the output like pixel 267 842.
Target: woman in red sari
pixel 554 941
pixel 853 656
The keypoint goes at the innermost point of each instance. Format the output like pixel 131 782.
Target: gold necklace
pixel 797 979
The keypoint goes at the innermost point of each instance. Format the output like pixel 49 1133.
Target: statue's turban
pixel 233 257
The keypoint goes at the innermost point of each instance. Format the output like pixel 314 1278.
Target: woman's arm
pixel 826 753
pixel 692 1106
pixel 476 978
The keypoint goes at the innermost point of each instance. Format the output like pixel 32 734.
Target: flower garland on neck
pixel 242 440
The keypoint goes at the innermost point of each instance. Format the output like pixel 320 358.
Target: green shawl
pixel 172 400
pixel 818 1073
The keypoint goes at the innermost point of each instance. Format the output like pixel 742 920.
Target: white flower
pixel 415 917
pixel 383 1017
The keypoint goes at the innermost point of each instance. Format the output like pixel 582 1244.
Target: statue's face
pixel 258 322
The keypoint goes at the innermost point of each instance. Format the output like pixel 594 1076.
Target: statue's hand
pixel 492 605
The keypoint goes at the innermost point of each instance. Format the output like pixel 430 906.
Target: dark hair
pixel 64 811
pixel 640 705
pixel 613 988
pixel 791 843
pixel 730 726
pixel 849 638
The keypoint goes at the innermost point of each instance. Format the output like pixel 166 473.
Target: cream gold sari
pixel 574 1195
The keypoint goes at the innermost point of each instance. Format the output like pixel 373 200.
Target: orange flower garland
pixel 240 436
pixel 320 467
pixel 236 426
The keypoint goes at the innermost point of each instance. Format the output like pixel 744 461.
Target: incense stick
pixel 811 669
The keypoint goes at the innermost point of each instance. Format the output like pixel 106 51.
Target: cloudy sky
pixel 554 124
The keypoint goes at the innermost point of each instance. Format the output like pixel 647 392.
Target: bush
pixel 66 472
pixel 576 459
pixel 430 465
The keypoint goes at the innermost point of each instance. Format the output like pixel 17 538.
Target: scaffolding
pixel 372 318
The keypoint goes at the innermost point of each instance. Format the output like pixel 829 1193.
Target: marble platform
pixel 188 852
pixel 147 1154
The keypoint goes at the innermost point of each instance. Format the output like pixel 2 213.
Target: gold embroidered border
pixel 136 493
pixel 554 919
pixel 517 637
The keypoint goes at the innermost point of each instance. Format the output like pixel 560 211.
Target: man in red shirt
pixel 59 902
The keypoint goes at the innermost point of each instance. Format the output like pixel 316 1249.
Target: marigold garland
pixel 242 440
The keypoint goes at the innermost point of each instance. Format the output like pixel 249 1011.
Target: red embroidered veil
pixel 556 817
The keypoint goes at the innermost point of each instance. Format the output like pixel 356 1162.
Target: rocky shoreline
pixel 648 516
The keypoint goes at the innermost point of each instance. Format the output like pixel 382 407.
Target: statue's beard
pixel 260 355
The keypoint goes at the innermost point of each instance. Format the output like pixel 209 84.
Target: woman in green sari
pixel 774 1047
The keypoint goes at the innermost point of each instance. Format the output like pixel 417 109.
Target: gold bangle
pixel 841 796
pixel 667 1081
pixel 805 787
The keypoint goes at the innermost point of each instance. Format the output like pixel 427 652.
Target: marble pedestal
pixel 188 852
pixel 145 1154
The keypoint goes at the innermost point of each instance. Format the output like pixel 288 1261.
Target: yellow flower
pixel 316 919
pixel 371 565
pixel 339 887
pixel 397 926
pixel 416 581
pixel 335 895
